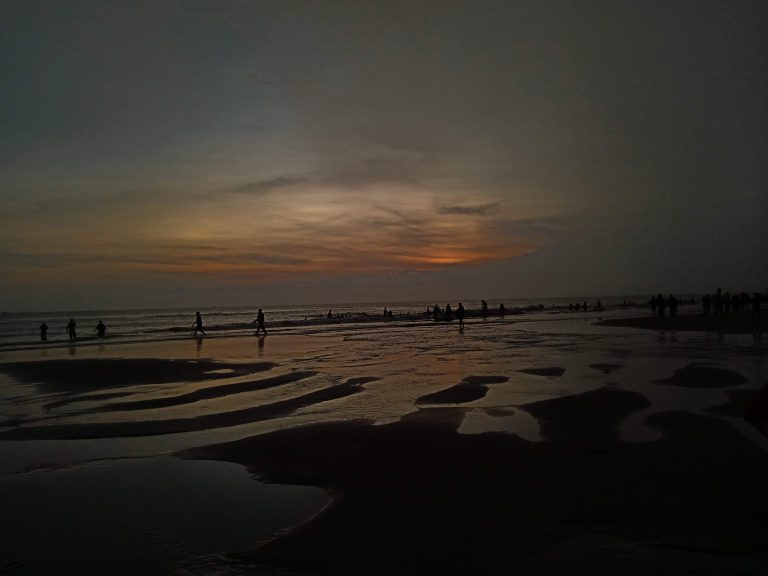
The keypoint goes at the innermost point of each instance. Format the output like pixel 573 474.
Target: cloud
pixel 469 209
pixel 272 138
pixel 366 164
pixel 361 172
pixel 262 186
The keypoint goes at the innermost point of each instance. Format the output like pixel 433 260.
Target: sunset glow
pixel 383 287
pixel 432 145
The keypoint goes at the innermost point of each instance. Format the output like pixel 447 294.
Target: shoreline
pixel 219 346
pixel 632 453
pixel 149 330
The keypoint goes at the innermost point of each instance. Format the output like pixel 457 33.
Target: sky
pixel 191 153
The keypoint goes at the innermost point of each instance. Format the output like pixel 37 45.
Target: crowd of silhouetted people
pixel 584 307
pixel 447 314
pixel 659 305
pixel 437 312
pixel 71 330
pixel 719 304
pixel 715 304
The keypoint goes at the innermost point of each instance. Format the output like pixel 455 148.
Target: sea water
pixel 19 330
pixel 140 516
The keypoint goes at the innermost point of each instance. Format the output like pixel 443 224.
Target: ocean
pixel 21 330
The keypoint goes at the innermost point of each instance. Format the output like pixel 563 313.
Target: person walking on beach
pixel 717 300
pixel 672 303
pixel 72 329
pixel 43 331
pixel 460 315
pixel 198 324
pixel 448 313
pixel 436 312
pixel 260 322
pixel 101 329
pixel 484 310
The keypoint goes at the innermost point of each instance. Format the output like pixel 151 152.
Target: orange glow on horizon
pixel 298 234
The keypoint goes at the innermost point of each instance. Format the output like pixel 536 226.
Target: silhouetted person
pixel 101 329
pixel 448 313
pixel 654 303
pixel 484 310
pixel 329 315
pixel 599 306
pixel 436 312
pixel 43 331
pixel 672 302
pixel 661 303
pixel 72 329
pixel 198 324
pixel 745 301
pixel 584 306
pixel 502 311
pixel 706 304
pixel 260 321
pixel 385 313
pixel 460 315
pixel 717 301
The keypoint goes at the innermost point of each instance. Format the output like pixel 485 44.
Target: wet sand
pixel 554 371
pixel 178 425
pixel 376 424
pixel 735 323
pixel 756 411
pixel 80 374
pixel 703 376
pixel 469 389
pixel 416 497
pixel 606 367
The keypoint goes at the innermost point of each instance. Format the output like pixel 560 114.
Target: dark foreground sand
pixel 469 389
pixel 736 323
pixel 416 497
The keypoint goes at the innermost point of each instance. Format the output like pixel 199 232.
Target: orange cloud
pixel 296 230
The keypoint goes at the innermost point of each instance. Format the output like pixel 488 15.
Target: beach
pixel 521 445
pixel 383 288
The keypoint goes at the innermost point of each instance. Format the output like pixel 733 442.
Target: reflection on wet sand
pixel 431 424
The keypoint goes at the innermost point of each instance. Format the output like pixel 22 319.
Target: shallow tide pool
pixel 140 516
